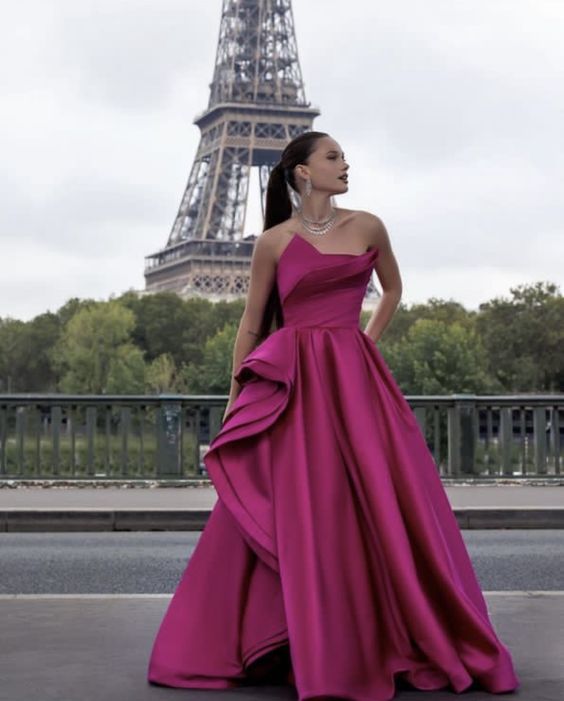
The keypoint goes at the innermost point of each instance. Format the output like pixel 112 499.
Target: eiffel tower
pixel 257 105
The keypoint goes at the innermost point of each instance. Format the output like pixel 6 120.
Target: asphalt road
pixel 152 562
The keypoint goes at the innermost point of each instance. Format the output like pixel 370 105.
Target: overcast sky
pixel 450 113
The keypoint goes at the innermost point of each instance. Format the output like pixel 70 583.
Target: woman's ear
pixel 301 172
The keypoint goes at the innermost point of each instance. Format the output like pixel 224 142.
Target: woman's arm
pixel 262 278
pixel 388 273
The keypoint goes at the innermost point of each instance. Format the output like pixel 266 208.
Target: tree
pixel 13 352
pixel 439 358
pixel 213 374
pixel 95 354
pixel 524 337
pixel 126 372
pixel 165 323
pixel 37 373
pixel 162 375
pixel 435 309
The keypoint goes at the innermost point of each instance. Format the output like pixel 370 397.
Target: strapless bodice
pixel 322 289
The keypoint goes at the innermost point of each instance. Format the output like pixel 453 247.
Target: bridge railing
pixel 163 437
pixel 510 436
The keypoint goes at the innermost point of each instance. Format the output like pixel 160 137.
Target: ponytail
pixel 279 209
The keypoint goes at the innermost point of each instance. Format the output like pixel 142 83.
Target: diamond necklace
pixel 317 228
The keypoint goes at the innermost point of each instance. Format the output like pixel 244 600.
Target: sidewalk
pixel 147 507
pixel 86 648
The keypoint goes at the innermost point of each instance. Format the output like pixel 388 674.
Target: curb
pixel 77 520
pixel 198 482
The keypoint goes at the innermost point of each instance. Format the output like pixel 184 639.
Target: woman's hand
pixel 233 394
pixel 374 341
pixel 227 409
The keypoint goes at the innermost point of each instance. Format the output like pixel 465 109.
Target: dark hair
pixel 278 209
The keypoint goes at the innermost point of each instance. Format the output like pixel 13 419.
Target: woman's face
pixel 326 168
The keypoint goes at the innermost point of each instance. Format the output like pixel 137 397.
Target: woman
pixel 332 559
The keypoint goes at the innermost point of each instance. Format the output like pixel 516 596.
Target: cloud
pixel 450 115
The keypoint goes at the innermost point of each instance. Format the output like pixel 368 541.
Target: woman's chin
pixel 341 190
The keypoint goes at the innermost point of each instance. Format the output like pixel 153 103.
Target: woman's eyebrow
pixel 333 151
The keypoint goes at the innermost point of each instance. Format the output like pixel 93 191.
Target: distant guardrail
pixel 50 436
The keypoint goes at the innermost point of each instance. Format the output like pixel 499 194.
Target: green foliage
pixel 126 372
pixel 438 358
pixel 524 336
pixel 162 375
pixel 164 323
pixel 163 344
pixel 12 354
pixel 213 374
pixel 95 355
pixel 435 309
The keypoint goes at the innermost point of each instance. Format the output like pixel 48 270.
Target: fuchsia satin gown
pixel 332 539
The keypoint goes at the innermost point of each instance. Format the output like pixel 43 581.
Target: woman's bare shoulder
pixel 270 242
pixel 368 218
pixel 280 229
pixel 276 236
pixel 372 226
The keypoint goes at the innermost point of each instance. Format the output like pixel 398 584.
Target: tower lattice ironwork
pixel 257 105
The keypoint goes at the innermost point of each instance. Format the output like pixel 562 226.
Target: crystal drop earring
pixel 295 198
pixel 308 187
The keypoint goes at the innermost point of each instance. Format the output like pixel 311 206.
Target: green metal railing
pixel 510 436
pixel 107 437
